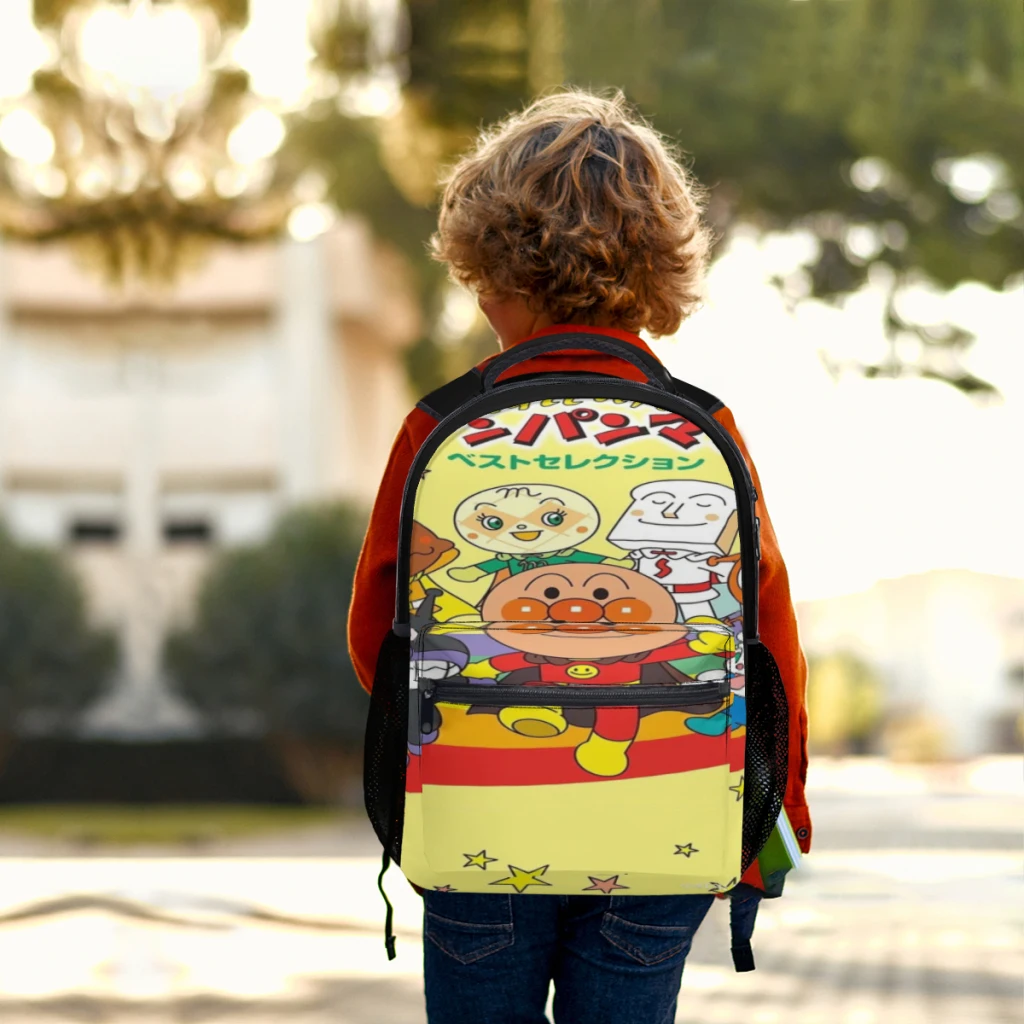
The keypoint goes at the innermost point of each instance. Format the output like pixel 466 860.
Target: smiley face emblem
pixel 582 671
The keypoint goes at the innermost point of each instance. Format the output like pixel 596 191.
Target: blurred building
pixel 140 431
pixel 948 644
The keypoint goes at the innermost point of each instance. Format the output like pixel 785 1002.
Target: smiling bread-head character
pixel 526 526
pixel 581 611
pixel 585 625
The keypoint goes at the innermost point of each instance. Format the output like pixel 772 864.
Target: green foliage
pixel 779 102
pixel 52 663
pixel 269 633
pixel 127 825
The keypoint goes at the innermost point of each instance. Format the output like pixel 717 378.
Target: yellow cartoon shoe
pixel 539 723
pixel 601 756
pixel 713 636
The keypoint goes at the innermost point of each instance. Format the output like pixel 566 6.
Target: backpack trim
pixel 647 363
pixel 445 400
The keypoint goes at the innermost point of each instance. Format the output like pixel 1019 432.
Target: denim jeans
pixel 489 959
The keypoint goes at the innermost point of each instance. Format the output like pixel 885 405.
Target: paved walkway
pixel 909 912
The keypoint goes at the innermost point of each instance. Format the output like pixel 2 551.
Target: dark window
pixel 188 531
pixel 94 531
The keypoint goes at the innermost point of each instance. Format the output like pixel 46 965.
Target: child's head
pixel 577 207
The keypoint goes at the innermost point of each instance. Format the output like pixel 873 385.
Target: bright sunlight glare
pixel 159 51
pixel 274 50
pixel 309 221
pixel 25 137
pixel 255 137
pixel 893 461
pixel 971 179
pixel 22 49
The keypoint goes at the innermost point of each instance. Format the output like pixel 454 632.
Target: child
pixel 571 215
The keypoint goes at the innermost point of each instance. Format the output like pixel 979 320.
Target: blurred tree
pixel 267 650
pixel 52 663
pixel 844 704
pixel 893 130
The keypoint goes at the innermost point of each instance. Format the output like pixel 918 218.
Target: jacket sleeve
pixel 778 628
pixel 373 591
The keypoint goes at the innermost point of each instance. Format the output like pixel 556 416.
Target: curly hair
pixel 579 206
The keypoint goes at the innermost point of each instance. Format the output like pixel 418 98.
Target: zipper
pixel 507 395
pixel 678 695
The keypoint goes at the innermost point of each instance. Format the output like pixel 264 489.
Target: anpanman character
pixel 595 626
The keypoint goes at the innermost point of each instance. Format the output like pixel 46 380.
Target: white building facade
pixel 140 432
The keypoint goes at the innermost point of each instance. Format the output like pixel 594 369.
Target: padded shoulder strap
pixel 447 398
pixel 707 401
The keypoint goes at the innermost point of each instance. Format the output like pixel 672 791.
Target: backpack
pixel 574 697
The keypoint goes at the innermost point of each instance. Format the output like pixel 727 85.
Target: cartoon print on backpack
pixel 429 553
pixel 596 626
pixel 527 526
pixel 433 656
pixel 680 533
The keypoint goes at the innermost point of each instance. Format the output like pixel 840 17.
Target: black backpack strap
pixel 649 365
pixel 389 915
pixel 707 401
pixel 449 397
pixel 743 903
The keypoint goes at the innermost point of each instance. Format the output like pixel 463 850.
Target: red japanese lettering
pixel 531 429
pixel 681 431
pixel 621 429
pixel 485 431
pixel 568 426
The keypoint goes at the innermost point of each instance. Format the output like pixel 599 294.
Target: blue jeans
pixel 489 959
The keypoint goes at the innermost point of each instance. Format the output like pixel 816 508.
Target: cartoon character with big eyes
pixel 594 625
pixel 527 526
pixel 680 534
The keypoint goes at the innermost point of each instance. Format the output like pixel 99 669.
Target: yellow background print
pixel 603 473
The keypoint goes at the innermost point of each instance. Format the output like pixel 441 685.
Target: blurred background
pixel 216 306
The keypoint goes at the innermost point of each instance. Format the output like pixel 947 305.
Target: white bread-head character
pixel 689 515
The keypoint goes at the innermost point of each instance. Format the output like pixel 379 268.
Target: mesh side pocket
pixel 384 751
pixel 767 755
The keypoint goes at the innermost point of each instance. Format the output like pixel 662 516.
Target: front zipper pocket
pixel 520 757
pixel 495 695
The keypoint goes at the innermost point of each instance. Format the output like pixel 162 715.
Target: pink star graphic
pixel 605 885
pixel 444 888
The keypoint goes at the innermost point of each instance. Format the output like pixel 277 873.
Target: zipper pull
pixel 427 710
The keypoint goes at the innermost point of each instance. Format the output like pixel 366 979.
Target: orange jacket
pixel 376 578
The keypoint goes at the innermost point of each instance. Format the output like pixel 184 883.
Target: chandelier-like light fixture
pixel 141 131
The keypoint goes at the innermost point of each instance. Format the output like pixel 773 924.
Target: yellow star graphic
pixel 478 860
pixel 686 850
pixel 737 789
pixel 521 879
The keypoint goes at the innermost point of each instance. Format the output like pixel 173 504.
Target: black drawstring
pixel 389 933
